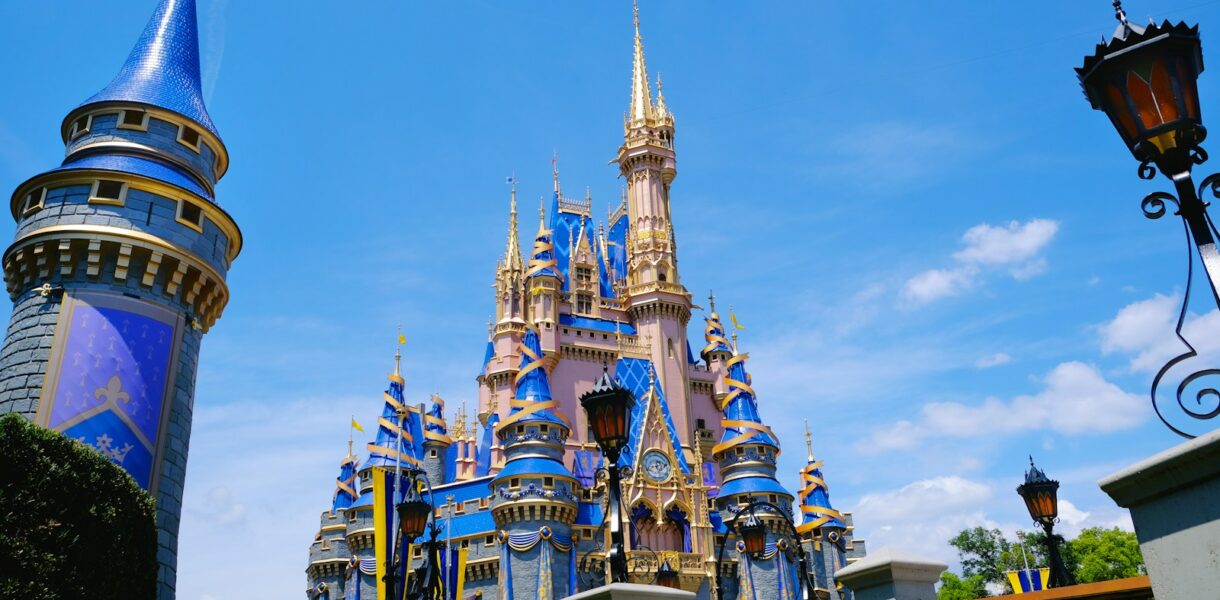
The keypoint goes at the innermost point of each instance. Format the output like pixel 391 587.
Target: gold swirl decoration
pixel 713 334
pixel 748 428
pixel 529 407
pixel 543 245
pixel 431 419
pixel 396 430
pixel 821 514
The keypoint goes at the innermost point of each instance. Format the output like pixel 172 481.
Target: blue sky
pixel 935 244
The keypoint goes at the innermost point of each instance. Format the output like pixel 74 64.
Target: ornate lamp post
pixel 608 407
pixel 1145 80
pixel 1041 497
pixel 752 537
pixel 413 514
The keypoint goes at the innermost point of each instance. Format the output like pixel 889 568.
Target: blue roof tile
pixel 596 324
pixel 163 67
pixel 122 163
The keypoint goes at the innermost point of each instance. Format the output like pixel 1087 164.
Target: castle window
pixel 484 502
pixel 415 552
pixel 584 303
pixel 584 274
pixel 548 482
pixel 106 191
pixel 459 508
pixel 190 214
pixel 133 119
pixel 33 200
pixel 81 126
pixel 520 429
pixel 489 540
pixel 187 136
pixel 740 451
pixel 662 277
pixel 465 543
pixel 700 424
pixel 514 483
pixel 773 499
pixel 432 453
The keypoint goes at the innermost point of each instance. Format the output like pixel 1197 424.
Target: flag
pixel 1029 580
pixel 402 339
pixel 357 426
pixel 733 318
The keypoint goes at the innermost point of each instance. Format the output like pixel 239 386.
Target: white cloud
pixel 220 507
pixel 1017 242
pixel 1144 330
pixel 994 360
pixel 902 518
pixel 1015 246
pixel 1076 399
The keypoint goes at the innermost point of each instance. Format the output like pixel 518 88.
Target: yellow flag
pixel 733 318
pixel 357 426
pixel 402 339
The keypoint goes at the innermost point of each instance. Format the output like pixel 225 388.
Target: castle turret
pixel 436 443
pixel 747 456
pixel 328 555
pixel 119 266
pixel 534 496
pixel 825 532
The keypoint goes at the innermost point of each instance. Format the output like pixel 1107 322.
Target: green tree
pixel 1103 554
pixel 953 587
pixel 72 523
pixel 982 552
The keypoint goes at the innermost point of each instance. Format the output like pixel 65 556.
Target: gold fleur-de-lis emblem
pixel 113 391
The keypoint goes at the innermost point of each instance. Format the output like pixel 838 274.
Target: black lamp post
pixel 608 407
pixel 1145 80
pixel 752 533
pixel 1041 497
pixel 413 513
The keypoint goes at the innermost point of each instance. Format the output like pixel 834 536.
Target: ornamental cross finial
pixel 711 300
pixel 635 14
pixel 1119 13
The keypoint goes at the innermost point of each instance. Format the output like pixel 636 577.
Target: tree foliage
pixel 983 552
pixel 72 523
pixel 953 587
pixel 1104 554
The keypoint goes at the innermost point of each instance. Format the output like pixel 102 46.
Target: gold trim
pixel 221 160
pixel 217 215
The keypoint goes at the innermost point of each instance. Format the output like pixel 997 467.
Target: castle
pixel 118 269
pixel 515 486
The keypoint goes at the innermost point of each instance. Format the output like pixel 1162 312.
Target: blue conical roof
pixel 163 67
pixel 713 335
pixel 346 490
pixel 542 258
pixel 387 449
pixel 815 500
pixel 742 425
pixel 533 397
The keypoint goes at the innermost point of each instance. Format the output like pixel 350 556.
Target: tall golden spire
pixel 512 250
pixel 660 97
pixel 641 96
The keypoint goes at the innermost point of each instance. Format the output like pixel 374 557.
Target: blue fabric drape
pixel 678 516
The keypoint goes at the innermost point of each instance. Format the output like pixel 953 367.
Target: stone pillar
pixel 1173 499
pixel 889 574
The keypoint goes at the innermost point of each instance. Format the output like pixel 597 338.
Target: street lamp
pixel 608 407
pixel 413 513
pixel 1146 81
pixel 1041 497
pixel 752 538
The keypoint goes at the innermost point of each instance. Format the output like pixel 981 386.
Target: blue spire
pixel 532 402
pixel 815 500
pixel 542 259
pixel 436 417
pixel 386 449
pixel 163 67
pixel 742 425
pixel 346 491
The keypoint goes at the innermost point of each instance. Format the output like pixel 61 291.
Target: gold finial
pixel 711 300
pixel 512 250
pixel 635 15
pixel 541 212
pixel 398 353
pixel 490 326
pixel 588 196
pixel 641 95
pixel 555 169
pixel 808 441
pixel 660 97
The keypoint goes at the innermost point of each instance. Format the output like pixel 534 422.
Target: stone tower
pixel 118 269
pixel 436 457
pixel 328 555
pixel 826 533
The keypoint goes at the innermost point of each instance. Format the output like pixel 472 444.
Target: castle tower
pixel 119 266
pixel 534 496
pixel 825 532
pixel 393 447
pixel 747 456
pixel 436 443
pixel 716 353
pixel 328 555
pixel 656 300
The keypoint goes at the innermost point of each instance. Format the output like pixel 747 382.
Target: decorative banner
pixel 110 373
pixel 1029 580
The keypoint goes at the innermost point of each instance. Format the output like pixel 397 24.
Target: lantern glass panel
pixel 754 535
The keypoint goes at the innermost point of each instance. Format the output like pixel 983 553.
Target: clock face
pixel 656 466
